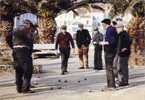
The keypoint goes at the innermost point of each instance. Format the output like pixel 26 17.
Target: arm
pixel 110 36
pixel 71 40
pixel 89 37
pixel 101 37
pixel 94 38
pixel 77 39
pixel 57 41
pixel 126 41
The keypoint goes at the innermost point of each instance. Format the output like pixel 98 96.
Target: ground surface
pixel 77 85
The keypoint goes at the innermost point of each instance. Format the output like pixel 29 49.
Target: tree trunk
pixel 5 52
pixel 5 27
pixel 47 29
pixel 137 32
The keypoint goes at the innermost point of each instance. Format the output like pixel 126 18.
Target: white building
pixel 89 19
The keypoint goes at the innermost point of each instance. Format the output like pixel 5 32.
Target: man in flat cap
pixel 64 40
pixel 83 40
pixel 110 51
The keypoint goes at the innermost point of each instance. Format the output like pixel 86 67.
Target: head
pixel 96 29
pixel 119 27
pixel 28 24
pixel 81 26
pixel 114 23
pixel 106 23
pixel 63 28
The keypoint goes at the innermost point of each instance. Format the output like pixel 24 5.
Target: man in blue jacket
pixel 110 51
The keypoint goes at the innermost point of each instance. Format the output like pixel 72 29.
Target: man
pixel 114 23
pixel 110 51
pixel 83 40
pixel 64 39
pixel 97 38
pixel 123 52
pixel 22 51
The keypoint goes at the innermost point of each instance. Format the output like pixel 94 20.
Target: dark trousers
pixel 98 57
pixel 65 53
pixel 123 70
pixel 110 70
pixel 23 67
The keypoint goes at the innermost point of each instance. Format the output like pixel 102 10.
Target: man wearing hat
pixel 83 40
pixel 110 51
pixel 64 40
pixel 123 51
pixel 22 52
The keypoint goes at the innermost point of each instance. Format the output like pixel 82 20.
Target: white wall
pixel 19 19
pixel 88 19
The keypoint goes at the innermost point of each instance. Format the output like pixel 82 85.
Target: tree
pixel 11 8
pixel 49 10
pixel 46 10
pixel 137 32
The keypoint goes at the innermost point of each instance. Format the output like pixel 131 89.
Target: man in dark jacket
pixel 97 38
pixel 123 52
pixel 64 39
pixel 110 51
pixel 22 51
pixel 83 40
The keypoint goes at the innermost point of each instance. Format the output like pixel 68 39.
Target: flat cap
pixel 106 21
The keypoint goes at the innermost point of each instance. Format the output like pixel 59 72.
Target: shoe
pixel 109 89
pixel 19 90
pixel 62 73
pixel 32 86
pixel 123 84
pixel 87 67
pixel 28 91
pixel 66 71
pixel 98 68
pixel 81 67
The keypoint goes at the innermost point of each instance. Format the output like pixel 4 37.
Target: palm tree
pixel 11 8
pixel 47 10
pixel 137 30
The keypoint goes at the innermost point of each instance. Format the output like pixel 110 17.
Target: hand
pixel 83 46
pixel 124 49
pixel 104 43
pixel 56 51
pixel 94 43
pixel 73 50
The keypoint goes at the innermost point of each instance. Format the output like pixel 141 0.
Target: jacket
pixel 83 38
pixel 64 41
pixel 23 36
pixel 112 38
pixel 124 41
pixel 97 37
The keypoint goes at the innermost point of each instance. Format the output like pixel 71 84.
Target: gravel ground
pixel 76 85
